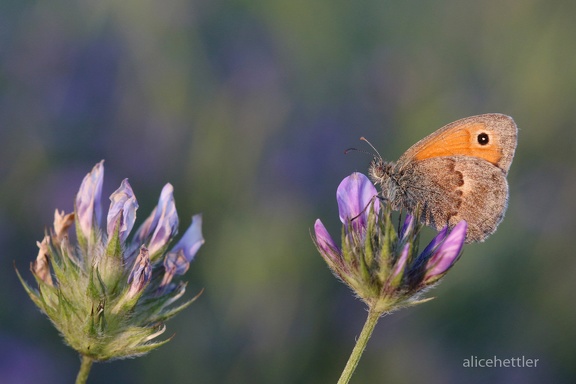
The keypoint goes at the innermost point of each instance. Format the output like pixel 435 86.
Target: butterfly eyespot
pixel 483 138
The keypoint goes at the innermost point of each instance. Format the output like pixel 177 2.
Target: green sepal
pixel 142 349
pixel 96 289
pixel 171 312
pixel 388 237
pixel 152 306
pixel 82 240
pixel 111 265
pixel 97 320
pixel 370 239
pixel 33 293
pixel 395 281
pixel 126 304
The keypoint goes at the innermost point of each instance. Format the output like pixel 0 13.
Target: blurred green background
pixel 246 108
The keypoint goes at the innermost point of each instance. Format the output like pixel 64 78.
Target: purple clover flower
pixel 378 264
pixel 109 296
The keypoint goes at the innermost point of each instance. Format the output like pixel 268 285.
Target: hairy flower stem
pixel 85 366
pixel 373 316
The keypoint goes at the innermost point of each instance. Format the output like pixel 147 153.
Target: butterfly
pixel 456 173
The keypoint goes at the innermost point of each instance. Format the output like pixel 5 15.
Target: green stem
pixel 354 358
pixel 85 366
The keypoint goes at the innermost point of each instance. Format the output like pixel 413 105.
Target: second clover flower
pixel 381 266
pixel 108 296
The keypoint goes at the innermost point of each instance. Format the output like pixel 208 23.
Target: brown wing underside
pixel 455 188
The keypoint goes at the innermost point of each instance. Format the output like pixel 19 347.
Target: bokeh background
pixel 246 107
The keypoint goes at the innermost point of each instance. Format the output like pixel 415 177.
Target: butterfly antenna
pixel 371 146
pixel 359 150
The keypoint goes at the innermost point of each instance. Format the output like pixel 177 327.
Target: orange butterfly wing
pixel 462 138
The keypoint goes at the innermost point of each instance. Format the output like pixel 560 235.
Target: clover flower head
pixel 381 266
pixel 109 296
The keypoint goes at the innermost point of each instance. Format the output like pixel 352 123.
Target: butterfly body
pixel 456 173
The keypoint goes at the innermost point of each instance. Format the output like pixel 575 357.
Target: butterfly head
pixel 380 171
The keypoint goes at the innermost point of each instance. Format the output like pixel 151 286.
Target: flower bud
pixel 41 266
pixel 122 212
pixel 179 258
pixel 141 273
pixel 88 204
pixel 164 225
pixel 62 222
